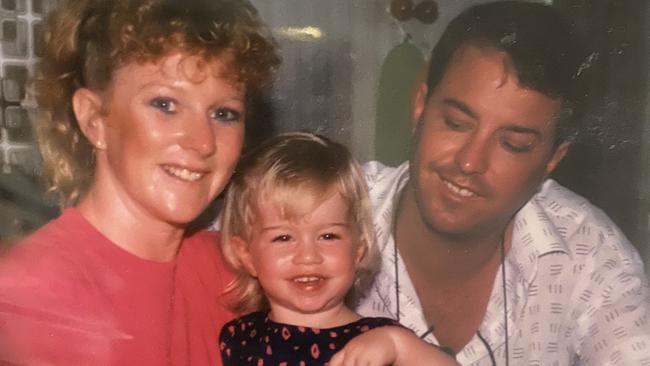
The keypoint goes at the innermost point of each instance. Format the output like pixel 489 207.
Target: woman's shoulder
pixel 202 242
pixel 201 250
pixel 59 229
pixel 200 266
pixel 54 245
pixel 44 278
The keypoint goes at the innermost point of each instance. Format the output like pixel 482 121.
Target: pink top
pixel 70 296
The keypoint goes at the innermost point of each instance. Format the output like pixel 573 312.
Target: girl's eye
pixel 226 115
pixel 281 238
pixel 330 236
pixel 166 105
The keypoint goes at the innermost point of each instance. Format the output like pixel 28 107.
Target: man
pixel 482 253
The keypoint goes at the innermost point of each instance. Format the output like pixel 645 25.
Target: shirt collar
pixel 384 229
pixel 539 228
pixel 533 236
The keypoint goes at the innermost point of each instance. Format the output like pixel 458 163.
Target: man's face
pixel 483 144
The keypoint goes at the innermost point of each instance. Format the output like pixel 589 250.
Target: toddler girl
pixel 298 233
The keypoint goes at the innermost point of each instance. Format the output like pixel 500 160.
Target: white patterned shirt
pixel 576 289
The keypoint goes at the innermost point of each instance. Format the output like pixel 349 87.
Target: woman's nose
pixel 197 134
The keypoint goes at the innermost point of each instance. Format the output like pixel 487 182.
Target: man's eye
pixel 165 105
pixel 455 125
pixel 226 115
pixel 515 148
pixel 518 145
pixel 281 238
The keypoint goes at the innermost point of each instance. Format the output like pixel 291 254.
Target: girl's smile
pixel 306 266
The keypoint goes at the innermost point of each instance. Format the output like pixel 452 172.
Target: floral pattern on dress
pixel 254 339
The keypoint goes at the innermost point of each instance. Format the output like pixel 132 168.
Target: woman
pixel 143 105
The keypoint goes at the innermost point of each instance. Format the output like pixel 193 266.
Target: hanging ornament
pixel 401 10
pixel 400 76
pixel 426 11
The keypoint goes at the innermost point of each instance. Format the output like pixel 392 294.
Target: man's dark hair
pixel 546 51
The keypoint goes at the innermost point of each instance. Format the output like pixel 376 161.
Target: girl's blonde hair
pixel 85 41
pixel 296 172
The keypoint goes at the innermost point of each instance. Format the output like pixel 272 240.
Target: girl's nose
pixel 308 252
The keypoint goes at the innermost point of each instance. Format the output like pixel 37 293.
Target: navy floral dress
pixel 254 339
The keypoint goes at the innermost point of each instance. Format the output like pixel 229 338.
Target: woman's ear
pixel 87 106
pixel 241 250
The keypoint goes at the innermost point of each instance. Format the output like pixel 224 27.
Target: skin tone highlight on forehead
pixel 283 198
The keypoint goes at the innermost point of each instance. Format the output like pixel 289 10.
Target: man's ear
pixel 87 106
pixel 557 157
pixel 241 249
pixel 418 103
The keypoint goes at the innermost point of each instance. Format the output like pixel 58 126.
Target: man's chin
pixel 458 229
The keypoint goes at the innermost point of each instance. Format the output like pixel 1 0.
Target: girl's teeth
pixel 183 173
pixel 460 191
pixel 307 279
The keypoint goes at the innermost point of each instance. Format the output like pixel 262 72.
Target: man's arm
pixel 391 345
pixel 613 328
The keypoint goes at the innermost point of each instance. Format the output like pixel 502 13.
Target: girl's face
pixel 305 266
pixel 170 137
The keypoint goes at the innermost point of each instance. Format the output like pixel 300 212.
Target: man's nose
pixel 473 155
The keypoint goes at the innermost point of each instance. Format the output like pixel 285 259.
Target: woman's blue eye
pixel 166 105
pixel 226 115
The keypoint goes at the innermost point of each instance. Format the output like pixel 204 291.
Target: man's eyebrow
pixel 460 106
pixel 455 103
pixel 522 129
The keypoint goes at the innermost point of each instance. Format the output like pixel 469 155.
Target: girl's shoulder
pixel 243 325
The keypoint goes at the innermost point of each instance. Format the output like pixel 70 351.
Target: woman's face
pixel 173 132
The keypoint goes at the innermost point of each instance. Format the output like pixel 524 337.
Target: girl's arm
pixel 391 345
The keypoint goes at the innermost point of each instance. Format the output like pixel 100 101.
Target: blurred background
pixel 349 67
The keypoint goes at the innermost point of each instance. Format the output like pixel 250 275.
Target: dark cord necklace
pixel 505 298
pixel 429 330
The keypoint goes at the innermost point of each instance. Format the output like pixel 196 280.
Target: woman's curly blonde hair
pixel 86 41
pixel 295 172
